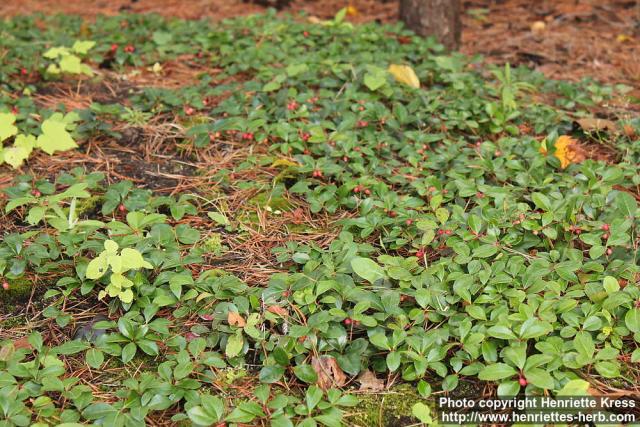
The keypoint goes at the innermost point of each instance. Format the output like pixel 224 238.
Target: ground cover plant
pixel 268 220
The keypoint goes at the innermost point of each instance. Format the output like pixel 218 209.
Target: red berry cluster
pixel 360 189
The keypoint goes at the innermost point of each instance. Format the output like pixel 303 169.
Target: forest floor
pixel 289 219
pixel 584 38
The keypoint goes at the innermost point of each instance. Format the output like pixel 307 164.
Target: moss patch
pixel 389 409
pixel 18 293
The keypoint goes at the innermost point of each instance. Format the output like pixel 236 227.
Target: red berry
pixel 305 33
pixel 24 71
pixel 609 251
pixel 122 208
pixel 5 285
pixel 347 321
pixel 189 110
pixel 36 193
pixel 129 48
pixel 420 253
pixel 392 214
pixel 440 232
pixel 523 381
pixel 480 195
pixel 367 191
pixel 286 294
pixel 447 232
pixel 356 189
pixel 605 236
pixel 363 123
pixel 409 221
pixel 114 47
pixel 605 227
pixel 293 105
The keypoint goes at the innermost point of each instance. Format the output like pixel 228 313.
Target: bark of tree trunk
pixel 439 18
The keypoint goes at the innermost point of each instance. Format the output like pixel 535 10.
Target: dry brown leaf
pixel 22 343
pixel 329 373
pixel 235 319
pixel 276 309
pixel 629 131
pixel 592 124
pixel 369 381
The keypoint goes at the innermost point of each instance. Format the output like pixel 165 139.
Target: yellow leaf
pixel 567 151
pixel 404 74
pixel 282 162
pixel 623 38
pixel 543 147
pixel 235 319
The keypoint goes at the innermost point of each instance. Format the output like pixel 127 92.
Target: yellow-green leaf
pixel 7 128
pixel 404 74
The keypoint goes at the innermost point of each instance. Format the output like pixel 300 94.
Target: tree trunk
pixel 439 18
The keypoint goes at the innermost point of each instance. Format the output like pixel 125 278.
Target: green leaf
pixel 271 374
pixel 133 260
pixel 94 358
pixel 608 369
pixel 367 269
pixel 218 218
pixel 234 344
pixel 583 343
pixel 611 284
pixel 501 332
pixel 306 373
pixel 82 46
pixel 497 371
pixel 574 388
pixel 422 412
pixel 17 153
pixel 295 69
pixel 7 129
pixel 540 378
pixel 632 320
pixel 541 201
pixel 55 137
pixel 128 352
pixel 375 78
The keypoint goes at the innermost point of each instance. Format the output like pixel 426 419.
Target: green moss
pixel 213 245
pixel 388 409
pixel 87 205
pixel 272 200
pixel 12 321
pixel 19 292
